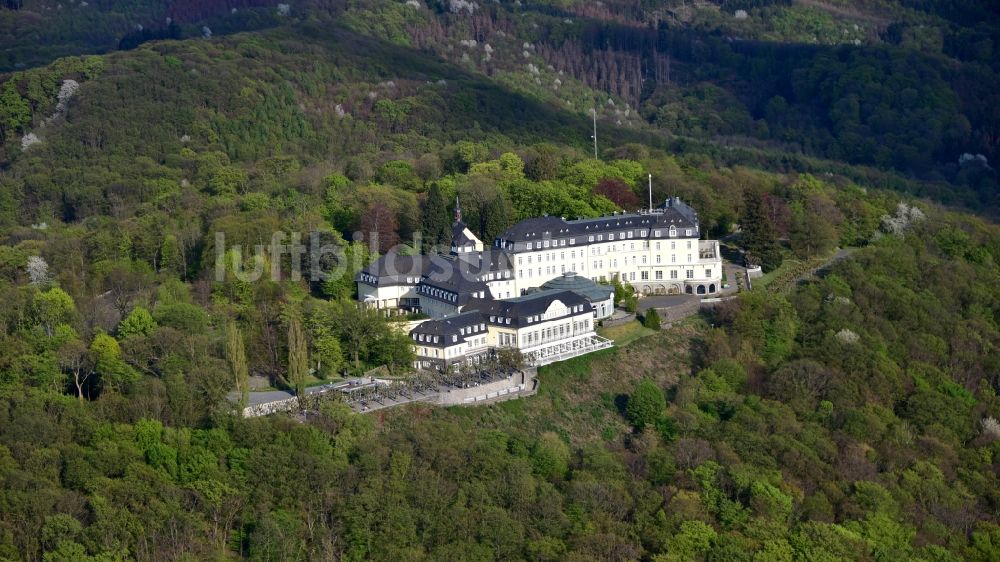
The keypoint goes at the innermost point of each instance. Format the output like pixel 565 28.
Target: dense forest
pixel 841 410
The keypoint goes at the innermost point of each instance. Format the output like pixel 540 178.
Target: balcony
pixel 567 350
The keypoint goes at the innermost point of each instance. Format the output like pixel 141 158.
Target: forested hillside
pixel 849 416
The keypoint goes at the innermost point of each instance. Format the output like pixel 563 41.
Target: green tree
pixel 171 257
pixel 236 356
pixel 139 322
pixel 550 455
pixel 759 238
pixel 434 219
pixel 112 370
pixel 328 353
pixel 298 356
pixel 54 307
pixel 645 405
pixel 651 319
pixel 15 113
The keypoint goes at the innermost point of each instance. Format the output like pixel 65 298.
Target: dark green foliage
pixel 759 238
pixel 651 319
pixel 645 405
pixel 435 225
pixel 846 416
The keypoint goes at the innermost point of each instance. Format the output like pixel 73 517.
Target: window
pixel 658 258
pixel 708 273
pixel 673 274
pixel 657 245
pixel 529 245
pixel 687 232
pixel 611 236
pixel 520 260
pixel 590 238
pixel 631 276
pixel 673 245
pixel 690 274
pixel 689 244
pixel 673 232
pixel 572 241
pixel 645 275
pixel 659 274
pixel 642 233
pixel 656 233
pixel 673 258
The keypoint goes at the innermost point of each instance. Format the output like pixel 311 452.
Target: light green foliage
pixel 53 307
pixel 551 456
pixel 115 374
pixel 298 356
pixel 181 316
pixel 139 322
pixel 693 541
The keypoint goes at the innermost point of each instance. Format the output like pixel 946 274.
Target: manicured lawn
pixel 626 333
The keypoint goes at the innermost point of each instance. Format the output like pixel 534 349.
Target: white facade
pixel 651 266
pixel 544 327
pixel 656 251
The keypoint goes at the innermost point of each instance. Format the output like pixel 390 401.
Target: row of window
pixel 553 333
pixel 657 233
pixel 499 319
pixel 599 265
pixel 688 274
pixel 597 251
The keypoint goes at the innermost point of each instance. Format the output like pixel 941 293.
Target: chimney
pixel 458 210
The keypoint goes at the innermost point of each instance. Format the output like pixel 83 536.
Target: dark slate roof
pixel 520 309
pixel 458 237
pixel 673 212
pixel 590 290
pixel 393 269
pixel 450 329
pixel 462 275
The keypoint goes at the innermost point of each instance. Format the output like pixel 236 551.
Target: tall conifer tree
pixel 435 218
pixel 759 238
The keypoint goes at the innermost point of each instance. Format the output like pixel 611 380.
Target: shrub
pixel 652 319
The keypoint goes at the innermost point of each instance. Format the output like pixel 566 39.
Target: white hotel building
pixel 541 269
pixel 657 251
